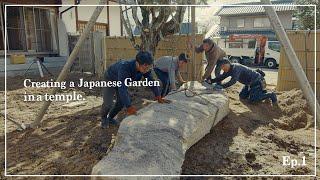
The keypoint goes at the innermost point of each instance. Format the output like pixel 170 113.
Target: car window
pixel 275 46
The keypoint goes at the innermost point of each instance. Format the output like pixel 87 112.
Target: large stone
pixel 155 141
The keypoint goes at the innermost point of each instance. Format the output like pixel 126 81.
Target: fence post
pixel 98 56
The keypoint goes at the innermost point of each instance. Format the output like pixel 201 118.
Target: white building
pixel 42 31
pixel 74 19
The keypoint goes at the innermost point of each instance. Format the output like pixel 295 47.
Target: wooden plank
pixel 297 40
pixel 303 42
pixel 311 60
pixel 98 56
pixel 310 37
pixel 301 57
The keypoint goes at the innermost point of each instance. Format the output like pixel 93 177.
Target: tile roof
pixel 237 10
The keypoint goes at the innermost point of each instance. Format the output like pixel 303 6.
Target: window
pixel 275 46
pixel 15 28
pixel 2 43
pixel 43 29
pixel 1 38
pixel 235 44
pixel 240 23
pixel 261 22
pixel 252 44
pixel 31 29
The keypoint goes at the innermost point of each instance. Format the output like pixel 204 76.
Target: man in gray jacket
pixel 214 55
pixel 167 68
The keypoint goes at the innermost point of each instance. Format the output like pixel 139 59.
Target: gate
pixel 90 53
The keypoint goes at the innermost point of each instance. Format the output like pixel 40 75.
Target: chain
pixel 199 95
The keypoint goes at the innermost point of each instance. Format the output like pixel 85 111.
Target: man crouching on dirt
pixel 253 81
pixel 214 55
pixel 167 68
pixel 119 71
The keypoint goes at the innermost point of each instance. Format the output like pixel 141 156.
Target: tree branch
pixel 173 25
pixel 135 16
pixel 128 27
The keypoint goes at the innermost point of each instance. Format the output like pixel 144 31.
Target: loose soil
pixel 251 140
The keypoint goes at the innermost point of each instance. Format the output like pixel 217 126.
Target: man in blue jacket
pixel 253 81
pixel 120 71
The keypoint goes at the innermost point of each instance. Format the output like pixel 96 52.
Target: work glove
pixel 208 80
pixel 131 111
pixel 202 79
pixel 162 100
pixel 217 87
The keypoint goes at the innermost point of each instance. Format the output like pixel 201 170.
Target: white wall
pixel 69 17
pixel 85 12
pixel 63 38
pixel 115 24
pixel 285 18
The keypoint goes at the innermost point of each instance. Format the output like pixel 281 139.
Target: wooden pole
pixel 292 57
pixel 193 35
pixel 63 74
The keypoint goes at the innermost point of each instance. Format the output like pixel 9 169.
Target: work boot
pixel 105 123
pixel 274 98
pixel 114 122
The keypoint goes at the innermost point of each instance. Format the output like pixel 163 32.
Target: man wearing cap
pixel 167 68
pixel 254 83
pixel 214 55
pixel 120 71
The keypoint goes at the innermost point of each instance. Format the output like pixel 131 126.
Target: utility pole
pixel 292 57
pixel 193 35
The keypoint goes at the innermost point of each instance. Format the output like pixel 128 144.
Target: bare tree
pixel 156 23
pixel 306 14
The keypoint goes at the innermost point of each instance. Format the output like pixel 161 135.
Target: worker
pixel 254 82
pixel 214 55
pixel 167 68
pixel 121 71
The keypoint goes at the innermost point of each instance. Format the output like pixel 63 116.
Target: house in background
pixel 30 30
pixel 252 19
pixel 34 30
pixel 43 31
pixel 76 17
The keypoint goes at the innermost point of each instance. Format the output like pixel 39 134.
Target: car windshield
pixel 275 46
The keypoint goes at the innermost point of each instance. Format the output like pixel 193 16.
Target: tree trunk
pixel 153 27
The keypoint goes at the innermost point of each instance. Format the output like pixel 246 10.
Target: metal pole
pixel 292 57
pixel 70 61
pixel 193 35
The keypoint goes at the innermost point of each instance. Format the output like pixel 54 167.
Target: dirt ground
pixel 251 140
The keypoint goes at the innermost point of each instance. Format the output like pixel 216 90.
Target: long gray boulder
pixel 155 141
